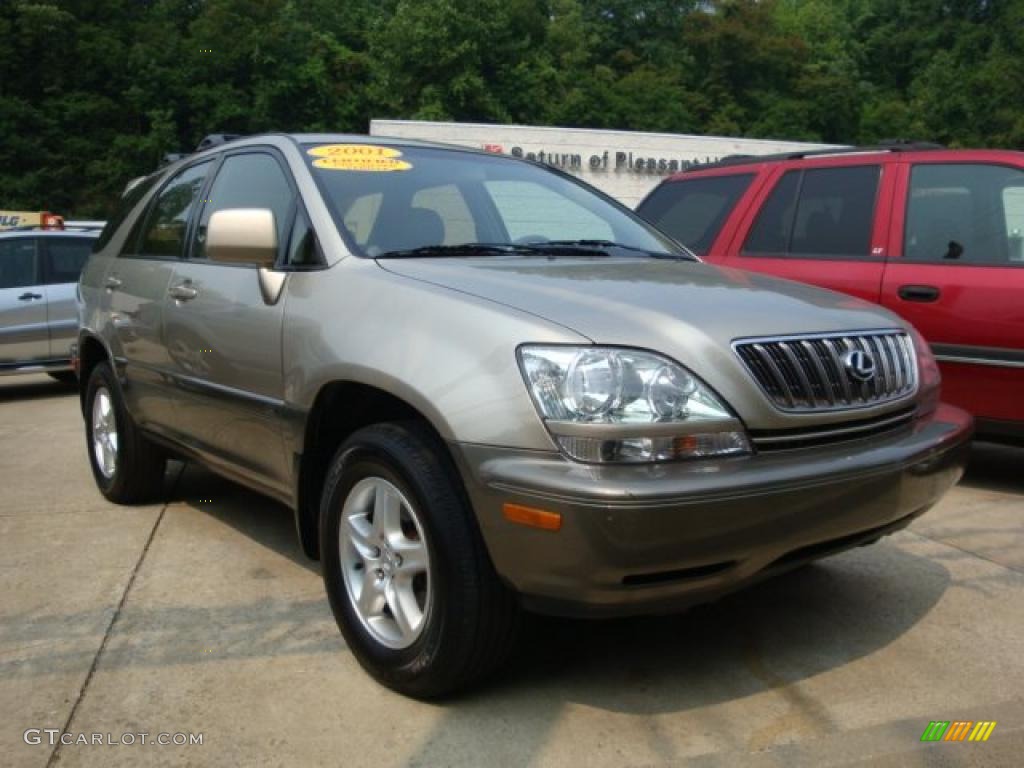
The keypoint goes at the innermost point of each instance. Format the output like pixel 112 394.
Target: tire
pixel 469 619
pixel 64 377
pixel 136 472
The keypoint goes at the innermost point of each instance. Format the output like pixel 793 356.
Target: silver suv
pixel 39 272
pixel 484 387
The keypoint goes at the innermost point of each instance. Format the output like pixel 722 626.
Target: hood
pixel 634 301
pixel 689 311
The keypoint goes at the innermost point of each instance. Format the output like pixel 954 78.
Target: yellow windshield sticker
pixel 378 164
pixel 358 157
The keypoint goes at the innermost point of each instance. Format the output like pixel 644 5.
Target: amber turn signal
pixel 531 517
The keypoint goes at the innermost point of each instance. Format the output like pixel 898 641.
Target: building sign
pixel 624 164
pixel 616 161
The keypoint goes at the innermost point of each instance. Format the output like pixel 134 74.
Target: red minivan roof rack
pixel 889 145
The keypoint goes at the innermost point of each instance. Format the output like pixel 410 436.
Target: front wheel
pixel 128 468
pixel 406 571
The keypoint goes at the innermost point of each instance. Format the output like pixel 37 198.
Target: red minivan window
pixel 694 211
pixel 818 212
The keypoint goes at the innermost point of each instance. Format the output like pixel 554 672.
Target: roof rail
pixel 171 157
pixel 216 139
pixel 888 145
pixel 210 140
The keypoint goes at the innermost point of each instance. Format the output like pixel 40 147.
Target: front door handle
pixel 183 292
pixel 918 293
pixel 113 282
pixel 29 296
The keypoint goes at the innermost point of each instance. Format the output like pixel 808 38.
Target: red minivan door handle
pixel 918 292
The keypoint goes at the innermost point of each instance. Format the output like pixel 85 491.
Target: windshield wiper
pixel 613 244
pixel 462 249
pixel 489 249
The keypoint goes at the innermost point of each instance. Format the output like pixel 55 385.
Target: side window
pixel 964 213
pixel 818 212
pixel 302 250
pixel 836 212
pixel 449 205
pixel 18 264
pixel 529 210
pixel 128 202
pixel 770 233
pixel 693 211
pixel 65 257
pixel 167 221
pixel 252 180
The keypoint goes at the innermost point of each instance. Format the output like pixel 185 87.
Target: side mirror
pixel 242 236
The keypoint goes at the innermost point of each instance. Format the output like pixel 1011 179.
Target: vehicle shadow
pixel 767 637
pixel 33 387
pixel 253 515
pixel 994 467
pixel 770 637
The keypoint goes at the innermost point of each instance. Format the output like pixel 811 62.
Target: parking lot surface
pixel 201 616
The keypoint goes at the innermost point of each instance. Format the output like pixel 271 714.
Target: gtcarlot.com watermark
pixel 54 736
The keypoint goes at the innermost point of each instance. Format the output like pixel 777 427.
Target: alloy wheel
pixel 104 432
pixel 385 562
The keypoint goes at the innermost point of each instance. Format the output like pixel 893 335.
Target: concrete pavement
pixel 200 615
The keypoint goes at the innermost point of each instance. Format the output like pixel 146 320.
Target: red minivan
pixel 936 235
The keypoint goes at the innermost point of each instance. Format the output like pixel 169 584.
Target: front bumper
pixel 655 538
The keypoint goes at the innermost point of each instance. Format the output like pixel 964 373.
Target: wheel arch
pixel 340 409
pixel 91 352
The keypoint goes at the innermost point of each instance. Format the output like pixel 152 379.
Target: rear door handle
pixel 183 292
pixel 113 283
pixel 29 296
pixel 918 292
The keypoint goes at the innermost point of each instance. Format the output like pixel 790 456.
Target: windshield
pixel 396 200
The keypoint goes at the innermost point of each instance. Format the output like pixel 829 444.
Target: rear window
pixel 694 211
pixel 128 202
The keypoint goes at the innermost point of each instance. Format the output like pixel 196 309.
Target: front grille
pixel 809 373
pixel 767 440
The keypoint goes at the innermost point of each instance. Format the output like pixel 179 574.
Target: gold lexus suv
pixel 484 387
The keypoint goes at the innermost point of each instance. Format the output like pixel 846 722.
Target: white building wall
pixel 624 164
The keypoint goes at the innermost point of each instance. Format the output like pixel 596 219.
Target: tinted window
pixel 770 233
pixel 818 212
pixel 18 266
pixel 65 257
pixel 128 203
pixel 694 211
pixel 248 181
pixel 961 213
pixel 302 250
pixel 390 199
pixel 167 220
pixel 836 212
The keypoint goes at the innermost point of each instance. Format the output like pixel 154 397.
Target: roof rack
pixel 887 145
pixel 210 140
pixel 216 139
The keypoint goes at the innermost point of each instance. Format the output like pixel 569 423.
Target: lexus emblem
pixel 860 365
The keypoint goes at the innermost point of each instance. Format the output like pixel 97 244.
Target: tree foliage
pixel 93 92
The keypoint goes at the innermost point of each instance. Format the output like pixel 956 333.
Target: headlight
pixel 605 404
